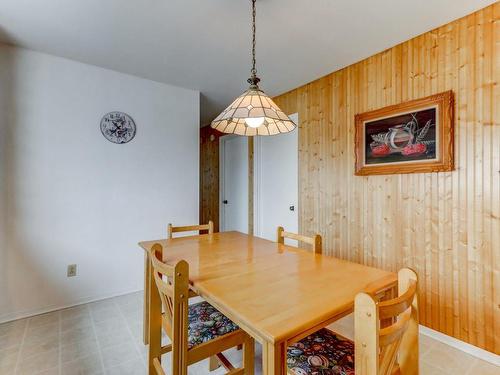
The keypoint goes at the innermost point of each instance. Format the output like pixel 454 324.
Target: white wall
pixel 67 195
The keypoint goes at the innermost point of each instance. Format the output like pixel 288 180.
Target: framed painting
pixel 411 137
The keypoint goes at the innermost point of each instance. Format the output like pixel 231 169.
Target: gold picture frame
pixel 411 137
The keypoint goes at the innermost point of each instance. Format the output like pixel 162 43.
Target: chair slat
pixel 163 268
pixel 298 237
pixel 163 286
pixel 158 368
pixel 396 306
pixel 315 241
pixel 394 332
pixel 190 228
pixel 388 356
pixel 379 351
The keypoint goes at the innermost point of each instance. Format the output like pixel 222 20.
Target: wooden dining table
pixel 277 293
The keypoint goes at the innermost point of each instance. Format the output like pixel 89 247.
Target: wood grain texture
pixel 445 225
pixel 209 176
pixel 245 278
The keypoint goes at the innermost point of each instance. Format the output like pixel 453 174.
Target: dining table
pixel 275 292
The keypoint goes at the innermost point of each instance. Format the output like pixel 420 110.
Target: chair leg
pixel 249 355
pixel 214 363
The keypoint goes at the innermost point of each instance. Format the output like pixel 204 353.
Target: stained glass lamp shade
pixel 253 112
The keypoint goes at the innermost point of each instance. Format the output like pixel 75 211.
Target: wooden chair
pixel 170 230
pixel 376 350
pixel 190 327
pixel 315 241
pixel 190 228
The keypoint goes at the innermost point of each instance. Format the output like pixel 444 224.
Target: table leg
pixel 249 356
pixel 155 312
pixel 147 292
pixel 274 358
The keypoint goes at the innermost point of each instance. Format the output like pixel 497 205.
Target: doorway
pixel 275 184
pixel 233 183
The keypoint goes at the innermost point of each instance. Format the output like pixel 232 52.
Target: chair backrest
pixel 173 287
pixel 377 345
pixel 315 241
pixel 190 228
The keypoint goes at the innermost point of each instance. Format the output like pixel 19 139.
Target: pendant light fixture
pixel 253 112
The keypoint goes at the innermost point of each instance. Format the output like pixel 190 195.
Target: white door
pixel 234 183
pixel 276 183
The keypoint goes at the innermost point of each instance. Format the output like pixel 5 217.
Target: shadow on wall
pixel 16 255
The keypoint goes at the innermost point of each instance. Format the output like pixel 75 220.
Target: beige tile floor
pixel 105 337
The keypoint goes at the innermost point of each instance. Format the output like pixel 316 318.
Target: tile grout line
pixel 472 365
pixel 137 349
pixel 21 346
pixel 423 354
pixel 59 344
pixel 99 350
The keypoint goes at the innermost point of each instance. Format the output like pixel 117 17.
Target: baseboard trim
pixel 5 318
pixel 460 345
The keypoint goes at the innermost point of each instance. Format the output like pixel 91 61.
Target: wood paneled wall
pixel 209 176
pixel 444 225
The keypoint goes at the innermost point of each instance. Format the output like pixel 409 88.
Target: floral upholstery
pixel 322 353
pixel 207 323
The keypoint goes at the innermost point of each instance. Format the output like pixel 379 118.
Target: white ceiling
pixel 205 44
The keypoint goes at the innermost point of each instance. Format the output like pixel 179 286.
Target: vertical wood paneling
pixel 444 225
pixel 495 173
pixel 209 176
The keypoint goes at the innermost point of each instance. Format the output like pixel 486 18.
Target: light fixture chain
pixel 253 71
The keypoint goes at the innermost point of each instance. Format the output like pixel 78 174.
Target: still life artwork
pixel 411 137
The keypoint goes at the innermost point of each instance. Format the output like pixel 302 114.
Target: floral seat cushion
pixel 322 353
pixel 207 323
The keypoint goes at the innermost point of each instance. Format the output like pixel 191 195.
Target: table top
pixel 275 290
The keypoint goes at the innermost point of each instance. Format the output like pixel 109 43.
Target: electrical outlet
pixel 71 270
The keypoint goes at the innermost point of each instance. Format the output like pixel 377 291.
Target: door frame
pixel 222 149
pixel 257 186
pixel 257 190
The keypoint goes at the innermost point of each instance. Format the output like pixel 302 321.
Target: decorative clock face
pixel 118 127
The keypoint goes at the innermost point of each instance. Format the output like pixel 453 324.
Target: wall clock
pixel 118 127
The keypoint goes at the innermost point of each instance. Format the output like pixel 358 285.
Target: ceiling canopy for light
pixel 253 112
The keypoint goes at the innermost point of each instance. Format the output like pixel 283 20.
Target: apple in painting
pixel 417 148
pixel 381 150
